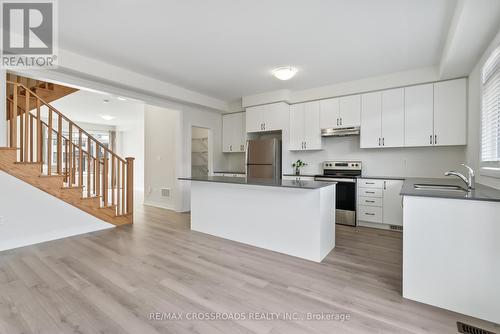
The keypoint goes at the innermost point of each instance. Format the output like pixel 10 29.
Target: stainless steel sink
pixel 439 187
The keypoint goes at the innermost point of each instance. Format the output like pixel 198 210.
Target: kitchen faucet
pixel 470 181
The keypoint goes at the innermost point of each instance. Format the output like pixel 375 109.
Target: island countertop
pixel 261 182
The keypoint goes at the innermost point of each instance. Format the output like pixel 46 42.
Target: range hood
pixel 340 132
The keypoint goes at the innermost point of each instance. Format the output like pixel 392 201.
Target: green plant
pixel 299 164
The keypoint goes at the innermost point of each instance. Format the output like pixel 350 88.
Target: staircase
pixel 52 153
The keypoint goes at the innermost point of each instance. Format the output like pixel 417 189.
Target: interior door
pixel 312 130
pixel 419 115
pixel 371 120
pixel 393 118
pixel 297 126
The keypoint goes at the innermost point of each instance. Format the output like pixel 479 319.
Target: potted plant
pixel 298 165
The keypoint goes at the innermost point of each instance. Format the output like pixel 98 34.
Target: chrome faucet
pixel 470 181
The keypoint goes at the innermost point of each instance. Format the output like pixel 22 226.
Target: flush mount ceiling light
pixel 107 117
pixel 121 98
pixel 285 72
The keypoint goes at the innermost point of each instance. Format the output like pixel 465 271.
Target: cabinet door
pixel 419 128
pixel 254 119
pixel 371 120
pixel 297 126
pixel 450 112
pixel 239 133
pixel 227 133
pixel 393 118
pixel 350 111
pixel 329 113
pixel 276 116
pixel 393 209
pixel 312 130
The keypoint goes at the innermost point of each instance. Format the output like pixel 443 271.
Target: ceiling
pixel 226 48
pixel 87 107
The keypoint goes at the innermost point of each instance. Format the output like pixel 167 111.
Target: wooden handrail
pixel 108 176
pixel 68 120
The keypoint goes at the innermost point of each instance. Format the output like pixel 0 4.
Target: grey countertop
pixel 261 182
pixel 481 193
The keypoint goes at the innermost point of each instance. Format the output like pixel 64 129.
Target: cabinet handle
pixel 430 141
pixel 264 126
pixel 383 141
pixel 369 214
pixel 337 121
pixel 305 145
pixel 370 192
pixel 340 120
pixel 369 182
pixel 379 142
pixel 435 139
pixel 385 185
pixel 230 147
pixel 367 201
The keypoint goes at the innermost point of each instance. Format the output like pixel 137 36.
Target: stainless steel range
pixel 345 173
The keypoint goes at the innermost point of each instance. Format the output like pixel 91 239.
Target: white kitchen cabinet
pixel 233 133
pixel 393 118
pixel 371 120
pixel 305 131
pixel 340 112
pixel 450 112
pixel 382 119
pixel 379 203
pixel 350 111
pixel 267 117
pixel 393 208
pixel 419 115
pixel 329 111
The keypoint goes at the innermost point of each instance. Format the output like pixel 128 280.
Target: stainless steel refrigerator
pixel 264 159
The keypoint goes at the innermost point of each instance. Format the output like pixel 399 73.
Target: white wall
pixel 3 110
pixel 130 143
pixel 161 126
pixel 474 131
pixel 20 227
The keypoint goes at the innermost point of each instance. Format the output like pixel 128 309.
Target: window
pixel 490 132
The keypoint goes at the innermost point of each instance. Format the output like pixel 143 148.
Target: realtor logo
pixel 29 33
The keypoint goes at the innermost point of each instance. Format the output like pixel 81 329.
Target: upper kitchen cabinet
pixel 340 112
pixel 436 114
pixel 233 133
pixel 267 117
pixel 450 112
pixel 382 119
pixel 419 118
pixel 305 131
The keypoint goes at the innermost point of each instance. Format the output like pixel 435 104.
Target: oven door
pixel 345 200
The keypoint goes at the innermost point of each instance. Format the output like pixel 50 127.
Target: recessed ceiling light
pixel 285 72
pixel 107 117
pixel 121 98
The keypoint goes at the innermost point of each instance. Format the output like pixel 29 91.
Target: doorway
pixel 200 157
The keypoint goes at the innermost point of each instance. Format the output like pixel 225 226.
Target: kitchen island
pixel 291 217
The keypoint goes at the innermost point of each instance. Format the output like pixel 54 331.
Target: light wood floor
pixel 110 282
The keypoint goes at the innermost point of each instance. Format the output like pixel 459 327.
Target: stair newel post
pixel 69 156
pixel 13 119
pixel 89 149
pixel 105 179
pixel 59 144
pixel 31 137
pixel 123 188
pixel 118 181
pixel 97 171
pixel 49 143
pixel 113 180
pixel 80 158
pixel 26 125
pixel 130 186
pixel 39 133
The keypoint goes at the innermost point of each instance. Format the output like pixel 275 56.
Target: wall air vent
pixel 396 227
pixel 468 329
pixel 165 192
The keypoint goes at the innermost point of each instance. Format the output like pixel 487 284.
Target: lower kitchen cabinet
pixel 379 204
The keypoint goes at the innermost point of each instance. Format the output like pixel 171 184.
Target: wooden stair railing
pixel 62 148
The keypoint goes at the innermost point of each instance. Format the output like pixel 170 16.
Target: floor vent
pixel 468 329
pixel 396 227
pixel 165 192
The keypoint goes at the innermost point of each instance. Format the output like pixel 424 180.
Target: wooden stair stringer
pixel 53 185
